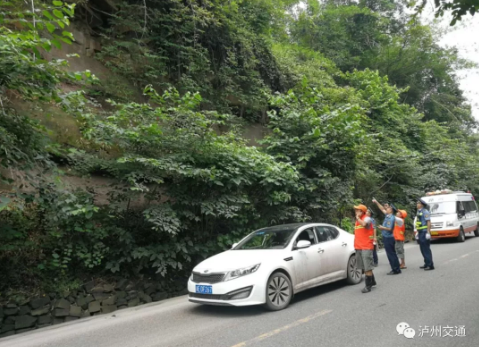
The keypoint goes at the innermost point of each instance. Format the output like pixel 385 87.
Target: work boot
pixel 373 284
pixel 392 272
pixel 423 267
pixel 368 287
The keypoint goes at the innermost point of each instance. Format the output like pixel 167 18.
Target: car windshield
pixel 445 207
pixel 273 238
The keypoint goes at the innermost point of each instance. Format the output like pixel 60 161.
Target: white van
pixel 453 214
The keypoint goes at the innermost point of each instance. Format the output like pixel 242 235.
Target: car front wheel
pixel 354 275
pixel 279 292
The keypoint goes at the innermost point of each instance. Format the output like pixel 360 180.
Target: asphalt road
pixel 331 315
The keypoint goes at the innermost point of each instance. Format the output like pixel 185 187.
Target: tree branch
pixel 145 17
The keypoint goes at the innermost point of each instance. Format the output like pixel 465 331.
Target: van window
pixel 470 206
pixel 443 207
pixel 460 206
pixel 475 205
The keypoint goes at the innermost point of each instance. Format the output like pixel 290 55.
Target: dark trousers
pixel 375 254
pixel 425 246
pixel 389 246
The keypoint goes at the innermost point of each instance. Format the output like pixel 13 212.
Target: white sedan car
pixel 270 265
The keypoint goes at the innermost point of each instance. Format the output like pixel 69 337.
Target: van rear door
pixel 471 219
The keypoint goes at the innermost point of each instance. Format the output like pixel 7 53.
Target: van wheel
pixel 476 232
pixel 461 237
pixel 279 292
pixel 354 275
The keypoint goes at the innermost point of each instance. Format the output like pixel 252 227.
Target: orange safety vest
pixel 399 232
pixel 363 236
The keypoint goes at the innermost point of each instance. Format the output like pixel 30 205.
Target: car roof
pixel 291 226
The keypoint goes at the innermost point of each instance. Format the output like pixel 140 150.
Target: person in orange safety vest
pixel 364 245
pixel 399 233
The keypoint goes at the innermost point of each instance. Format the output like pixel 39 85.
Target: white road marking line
pixel 461 257
pixel 280 330
pixel 450 261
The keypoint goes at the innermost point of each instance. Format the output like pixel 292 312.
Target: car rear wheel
pixel 279 292
pixel 354 275
pixel 461 237
pixel 476 232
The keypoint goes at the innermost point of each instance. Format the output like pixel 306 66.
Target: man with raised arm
pixel 388 237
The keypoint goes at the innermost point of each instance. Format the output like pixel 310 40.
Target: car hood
pixel 237 259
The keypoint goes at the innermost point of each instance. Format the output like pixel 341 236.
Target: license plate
pixel 434 233
pixel 204 289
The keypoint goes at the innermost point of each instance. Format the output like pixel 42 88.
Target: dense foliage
pixel 458 8
pixel 356 103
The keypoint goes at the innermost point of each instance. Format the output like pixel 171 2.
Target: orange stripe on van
pixel 470 229
pixel 445 233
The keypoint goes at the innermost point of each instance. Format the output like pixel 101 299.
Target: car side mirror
pixel 303 244
pixel 462 213
pixel 234 245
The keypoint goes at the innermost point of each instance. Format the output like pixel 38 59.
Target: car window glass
pixel 323 234
pixel 333 232
pixel 268 238
pixel 307 235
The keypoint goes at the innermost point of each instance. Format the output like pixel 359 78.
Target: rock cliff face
pixel 62 127
pixel 17 316
pixel 91 300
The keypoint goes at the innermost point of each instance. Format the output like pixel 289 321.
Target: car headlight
pixel 241 272
pixel 450 224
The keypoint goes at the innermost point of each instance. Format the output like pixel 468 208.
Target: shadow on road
pixel 227 311
pixel 317 291
pixel 450 240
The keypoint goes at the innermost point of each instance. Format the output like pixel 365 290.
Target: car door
pixel 306 260
pixel 475 215
pixel 471 212
pixel 467 222
pixel 339 250
pixel 332 252
pixel 466 219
